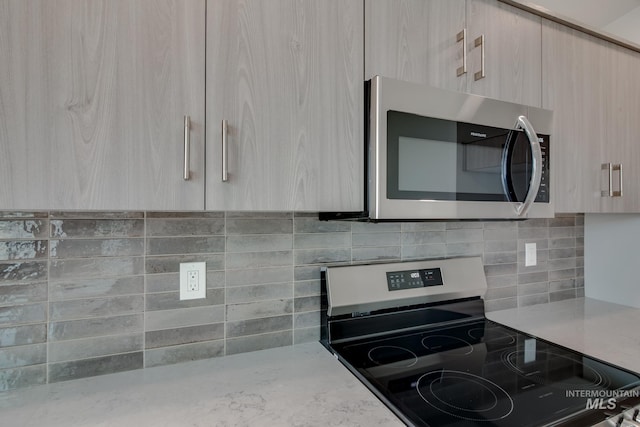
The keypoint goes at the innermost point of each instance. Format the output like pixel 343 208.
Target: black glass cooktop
pixel 481 373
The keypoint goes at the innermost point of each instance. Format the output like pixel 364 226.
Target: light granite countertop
pixel 300 386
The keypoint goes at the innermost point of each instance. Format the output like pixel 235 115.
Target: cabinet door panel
pixel 288 77
pixel 101 99
pixel 512 52
pixel 415 40
pixel 576 87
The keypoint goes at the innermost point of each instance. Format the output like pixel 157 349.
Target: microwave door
pixel 521 166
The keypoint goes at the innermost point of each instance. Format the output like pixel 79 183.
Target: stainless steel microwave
pixel 437 154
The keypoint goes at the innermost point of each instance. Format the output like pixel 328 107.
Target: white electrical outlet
pixel 530 255
pixel 193 280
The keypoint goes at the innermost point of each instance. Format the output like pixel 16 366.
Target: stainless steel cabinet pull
pixel 225 152
pixel 187 147
pixel 462 37
pixel 619 169
pixel 480 42
pixel 609 168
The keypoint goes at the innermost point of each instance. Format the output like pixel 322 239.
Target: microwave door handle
pixel 536 167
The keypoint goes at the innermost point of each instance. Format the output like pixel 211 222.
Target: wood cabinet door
pixel 287 76
pixel 512 52
pixel 576 84
pixel 92 100
pixel 416 41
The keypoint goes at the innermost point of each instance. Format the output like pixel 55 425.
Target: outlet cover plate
pixel 193 280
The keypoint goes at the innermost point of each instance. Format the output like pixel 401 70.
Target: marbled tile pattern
pixel 88 293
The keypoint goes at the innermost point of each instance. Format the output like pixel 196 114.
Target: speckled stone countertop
pixel 299 386
pixel 606 331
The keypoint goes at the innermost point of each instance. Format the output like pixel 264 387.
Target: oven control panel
pixel 411 279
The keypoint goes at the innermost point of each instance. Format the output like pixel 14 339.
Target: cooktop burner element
pixel 430 354
pixel 464 395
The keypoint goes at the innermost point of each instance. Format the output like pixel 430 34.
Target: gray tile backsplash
pixel 90 293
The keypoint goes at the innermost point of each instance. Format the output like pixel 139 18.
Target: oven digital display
pixel 411 279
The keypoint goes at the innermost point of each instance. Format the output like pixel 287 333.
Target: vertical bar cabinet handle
pixel 608 167
pixel 480 42
pixel 619 169
pixel 187 148
pixel 225 152
pixel 462 37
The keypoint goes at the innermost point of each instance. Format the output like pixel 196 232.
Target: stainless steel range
pixel 416 335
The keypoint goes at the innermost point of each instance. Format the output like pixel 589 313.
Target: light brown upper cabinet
pixel 479 46
pixel 93 96
pixel 285 101
pixel 594 91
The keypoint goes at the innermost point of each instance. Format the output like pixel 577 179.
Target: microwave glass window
pixel 434 159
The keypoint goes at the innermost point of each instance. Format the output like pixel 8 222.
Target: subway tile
pixel 499 293
pixel 561 264
pixel 501 281
pixel 309 225
pixel 81 228
pixel 541 265
pixel 301 336
pixel 186 335
pixel 65 371
pixel 508 233
pixel 25 214
pixel 423 226
pixel 541 244
pixel 87 328
pixel 23 249
pixel 23 335
pixel 390 253
pixel 257 310
pixel 306 288
pixel 580 293
pixel 22 272
pixel 96 307
pixel 164 227
pixel 424 251
pixel 459 225
pixel 562 221
pixel 96 215
pixel 23 294
pixel 170 282
pixel 500 245
pixel 562 232
pixel 259 342
pixel 562 295
pixel 307 319
pixel 376 239
pixel 534 223
pixel 322 256
pixel 259 259
pixel 563 242
pixel 579 282
pixel 500 225
pixel 303 304
pixel 185 245
pixel 23 314
pixel 259 243
pixel 423 238
pixel 563 274
pixel 527 300
pixel 181 317
pixel 260 215
pixel 533 288
pixel 306 272
pixel 253 293
pixel 465 249
pixel 185 215
pixel 183 353
pixel 463 236
pixel 171 263
pixel 562 253
pixel 27 376
pixel 171 300
pixel 500 269
pixel 98 287
pixel 322 240
pixel 27 228
pixel 533 233
pixel 259 326
pixel 562 285
pixel 72 269
pixel 64 351
pixel 86 248
pixel 500 258
pixel 372 227
pixel 258 276
pixel 500 304
pixel 538 277
pixel 259 226
pixel 24 355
